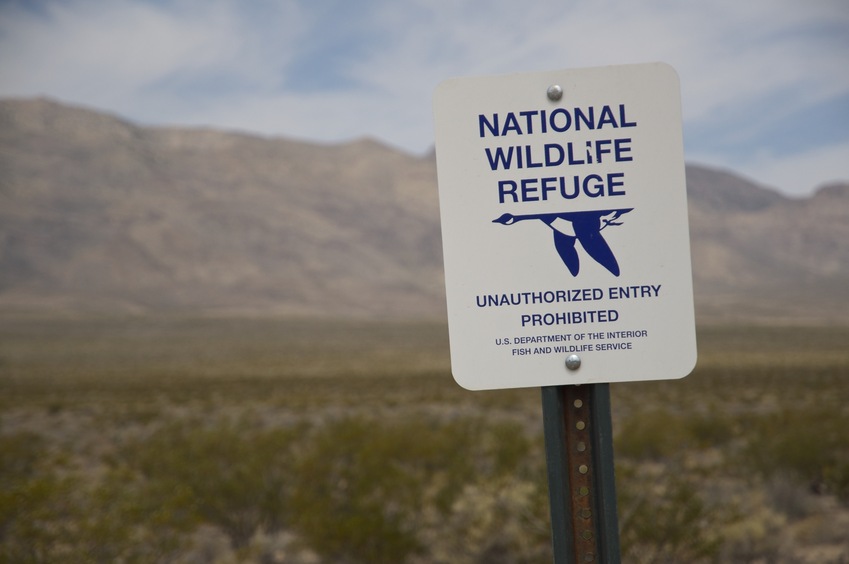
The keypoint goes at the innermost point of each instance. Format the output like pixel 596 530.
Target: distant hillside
pixel 757 254
pixel 98 214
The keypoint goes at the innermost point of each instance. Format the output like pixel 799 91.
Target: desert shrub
pixel 38 508
pixel 365 487
pixel 709 430
pixel 666 520
pixel 38 520
pixel 24 495
pixel 653 435
pixel 753 533
pixel 22 453
pixel 360 485
pixel 659 434
pixel 499 520
pixel 836 476
pixel 228 475
pixel 812 448
pixel 359 489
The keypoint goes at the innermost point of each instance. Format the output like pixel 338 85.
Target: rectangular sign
pixel 564 222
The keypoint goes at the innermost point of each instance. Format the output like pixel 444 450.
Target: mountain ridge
pixel 100 214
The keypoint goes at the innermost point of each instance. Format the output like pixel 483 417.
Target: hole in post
pixel 579 403
pixel 580 425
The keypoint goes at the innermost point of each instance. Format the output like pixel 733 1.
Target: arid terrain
pixel 223 348
pixel 233 440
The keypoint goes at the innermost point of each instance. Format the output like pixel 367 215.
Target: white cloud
pixel 119 54
pixel 372 67
pixel 801 173
pixel 125 45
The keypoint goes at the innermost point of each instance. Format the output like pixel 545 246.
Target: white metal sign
pixel 564 224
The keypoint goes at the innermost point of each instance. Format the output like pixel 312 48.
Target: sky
pixel 764 83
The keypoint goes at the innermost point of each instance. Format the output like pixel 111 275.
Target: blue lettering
pixel 558 120
pixel 574 193
pixel 500 157
pixel 589 121
pixel 505 188
pixel 529 163
pixel 530 124
pixel 623 121
pixel 600 149
pixel 554 160
pixel 596 190
pixel 606 117
pixel 540 189
pixel 613 184
pixel 619 149
pixel 553 123
pixel 511 124
pixel 528 188
pixel 571 158
pixel 547 186
pixel 492 127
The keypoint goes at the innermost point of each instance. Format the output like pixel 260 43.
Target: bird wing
pixel 595 245
pixel 565 246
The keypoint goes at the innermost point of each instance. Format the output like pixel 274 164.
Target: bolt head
pixel 554 92
pixel 573 362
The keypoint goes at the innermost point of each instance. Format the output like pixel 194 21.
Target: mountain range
pixel 100 215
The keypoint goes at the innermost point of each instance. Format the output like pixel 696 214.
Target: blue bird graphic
pixel 585 227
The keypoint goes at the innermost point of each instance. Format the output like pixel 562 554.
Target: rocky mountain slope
pixel 98 214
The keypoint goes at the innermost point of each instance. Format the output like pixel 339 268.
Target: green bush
pixel 229 475
pixel 710 430
pixel 365 487
pixel 811 447
pixel 666 520
pixel 652 435
pixel 37 507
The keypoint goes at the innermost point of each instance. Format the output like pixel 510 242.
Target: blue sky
pixel 765 83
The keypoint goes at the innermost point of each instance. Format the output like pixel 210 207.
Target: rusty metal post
pixel 582 489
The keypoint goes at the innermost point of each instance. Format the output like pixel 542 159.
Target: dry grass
pixel 238 440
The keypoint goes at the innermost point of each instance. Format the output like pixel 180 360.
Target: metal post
pixel 582 488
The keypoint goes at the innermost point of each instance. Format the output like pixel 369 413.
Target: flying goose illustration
pixel 582 226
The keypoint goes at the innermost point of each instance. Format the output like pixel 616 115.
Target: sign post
pixel 567 258
pixel 581 484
